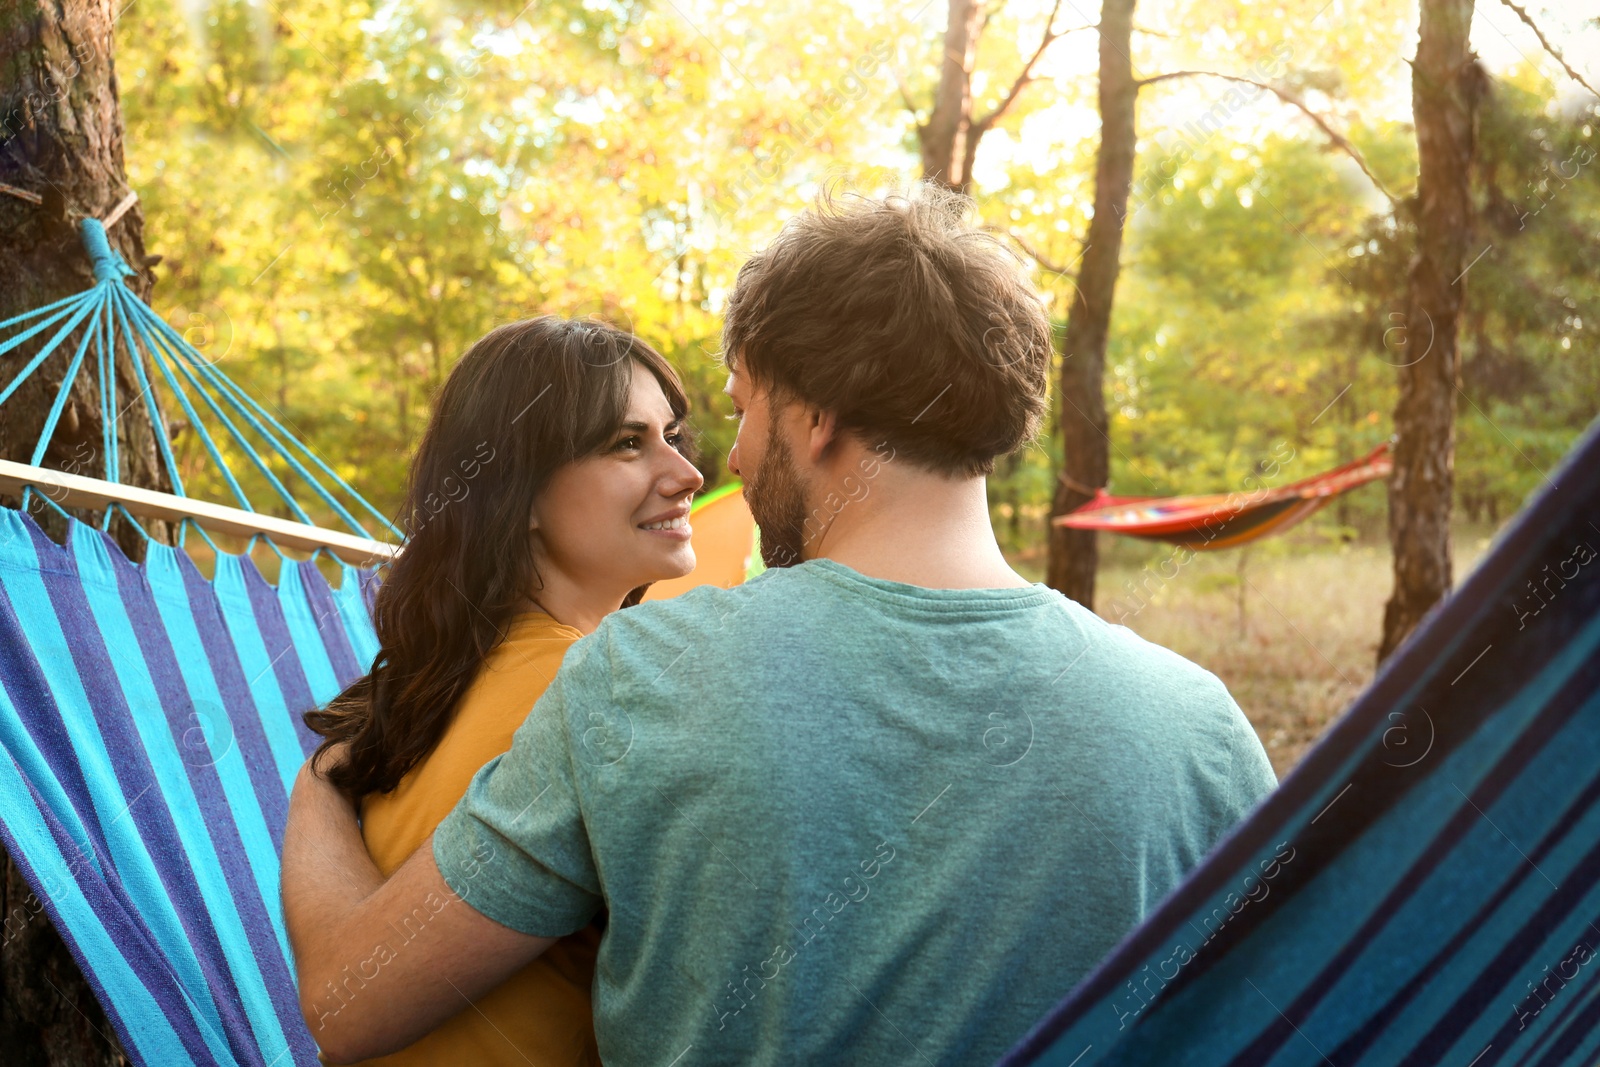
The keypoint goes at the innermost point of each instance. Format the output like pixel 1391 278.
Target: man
pixel 885 803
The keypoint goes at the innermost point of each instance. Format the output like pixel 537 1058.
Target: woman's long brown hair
pixel 523 401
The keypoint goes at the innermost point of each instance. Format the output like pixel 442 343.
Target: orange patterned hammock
pixel 1224 520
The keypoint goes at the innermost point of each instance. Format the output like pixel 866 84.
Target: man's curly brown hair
pixel 907 323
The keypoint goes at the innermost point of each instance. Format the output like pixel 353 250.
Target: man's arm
pixel 380 963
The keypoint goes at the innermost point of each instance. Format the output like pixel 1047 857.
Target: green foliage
pixel 1219 361
pixel 348 193
pixel 1530 371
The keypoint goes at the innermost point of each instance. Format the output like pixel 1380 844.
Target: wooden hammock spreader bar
pixel 76 491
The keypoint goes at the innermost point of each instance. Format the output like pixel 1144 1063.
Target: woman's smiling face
pixel 619 518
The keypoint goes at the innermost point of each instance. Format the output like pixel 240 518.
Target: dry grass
pixel 1312 611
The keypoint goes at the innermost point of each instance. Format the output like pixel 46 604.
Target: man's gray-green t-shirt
pixel 836 819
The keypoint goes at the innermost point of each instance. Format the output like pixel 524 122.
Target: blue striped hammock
pixel 151 732
pixel 1418 891
pixel 1424 888
pixel 150 717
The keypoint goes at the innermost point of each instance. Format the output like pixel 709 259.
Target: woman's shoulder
pixel 534 630
pixel 516 673
pixel 511 680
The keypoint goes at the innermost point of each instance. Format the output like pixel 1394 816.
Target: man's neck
pixel 920 529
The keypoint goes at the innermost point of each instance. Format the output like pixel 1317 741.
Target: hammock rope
pixel 110 313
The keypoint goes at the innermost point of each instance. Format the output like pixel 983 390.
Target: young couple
pixel 885 803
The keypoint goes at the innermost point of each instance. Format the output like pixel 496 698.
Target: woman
pixel 550 487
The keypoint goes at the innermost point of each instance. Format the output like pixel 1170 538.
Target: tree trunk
pixel 48 1015
pixel 946 156
pixel 1446 85
pixel 60 137
pixel 1085 442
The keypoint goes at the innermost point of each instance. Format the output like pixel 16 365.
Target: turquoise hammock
pixel 150 717
pixel 1414 893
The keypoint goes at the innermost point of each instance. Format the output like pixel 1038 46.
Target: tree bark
pixel 60 137
pixel 48 1014
pixel 1085 440
pixel 949 139
pixel 946 155
pixel 1446 85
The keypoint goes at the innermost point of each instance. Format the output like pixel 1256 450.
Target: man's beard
pixel 777 500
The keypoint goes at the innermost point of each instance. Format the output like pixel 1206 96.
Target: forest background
pixel 347 194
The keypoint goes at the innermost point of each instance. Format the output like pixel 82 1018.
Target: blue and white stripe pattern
pixel 1425 887
pixel 151 732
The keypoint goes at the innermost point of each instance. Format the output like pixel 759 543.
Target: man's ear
pixel 822 430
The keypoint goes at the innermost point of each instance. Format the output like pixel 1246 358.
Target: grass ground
pixel 1292 632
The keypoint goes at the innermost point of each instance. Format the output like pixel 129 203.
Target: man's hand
pixel 380 963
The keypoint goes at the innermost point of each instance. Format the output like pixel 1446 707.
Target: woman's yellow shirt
pixel 542 1014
